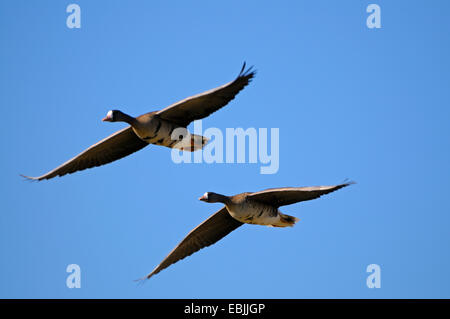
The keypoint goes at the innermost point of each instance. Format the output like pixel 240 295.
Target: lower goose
pixel 260 208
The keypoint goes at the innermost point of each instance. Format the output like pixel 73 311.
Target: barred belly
pixel 254 213
pixel 158 132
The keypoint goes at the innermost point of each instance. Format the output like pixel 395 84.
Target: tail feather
pixel 287 220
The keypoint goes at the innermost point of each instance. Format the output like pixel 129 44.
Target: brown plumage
pixel 250 208
pixel 207 233
pixel 154 128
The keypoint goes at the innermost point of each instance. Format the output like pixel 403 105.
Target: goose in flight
pixel 155 128
pixel 259 208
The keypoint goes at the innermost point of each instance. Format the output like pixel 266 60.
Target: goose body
pixel 259 208
pixel 152 129
pixel 166 127
pixel 250 211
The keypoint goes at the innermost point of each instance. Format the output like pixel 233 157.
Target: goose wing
pixel 112 148
pixel 290 195
pixel 207 233
pixel 202 105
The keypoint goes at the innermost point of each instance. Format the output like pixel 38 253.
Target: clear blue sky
pixel 371 105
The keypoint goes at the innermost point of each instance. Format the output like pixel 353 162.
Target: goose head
pixel 211 197
pixel 112 116
pixel 118 116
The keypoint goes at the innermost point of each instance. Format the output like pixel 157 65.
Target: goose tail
pixel 286 221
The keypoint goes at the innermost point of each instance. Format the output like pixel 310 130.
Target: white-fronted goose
pixel 154 128
pixel 259 208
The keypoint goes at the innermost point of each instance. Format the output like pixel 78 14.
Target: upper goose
pixel 155 128
pixel 259 208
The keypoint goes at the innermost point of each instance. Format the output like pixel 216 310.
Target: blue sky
pixel 371 105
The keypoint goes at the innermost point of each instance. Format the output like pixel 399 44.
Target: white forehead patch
pixel 205 195
pixel 109 114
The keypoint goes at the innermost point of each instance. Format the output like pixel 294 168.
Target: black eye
pixel 180 137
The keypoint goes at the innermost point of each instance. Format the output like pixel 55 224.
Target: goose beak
pixel 106 119
pixel 203 198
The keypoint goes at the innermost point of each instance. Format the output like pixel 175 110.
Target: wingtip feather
pixel 249 72
pixel 348 182
pixel 30 178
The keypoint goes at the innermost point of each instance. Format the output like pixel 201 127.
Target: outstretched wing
pixel 110 149
pixel 202 105
pixel 207 233
pixel 290 195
